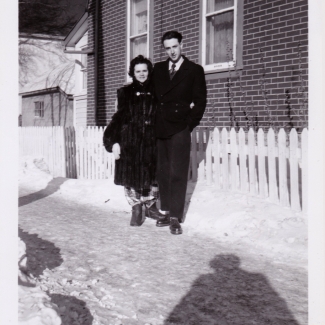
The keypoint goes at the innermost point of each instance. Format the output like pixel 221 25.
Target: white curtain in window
pixel 219 37
pixel 215 5
pixel 139 46
pixel 139 15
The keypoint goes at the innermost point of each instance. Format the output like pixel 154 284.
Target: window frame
pixel 83 69
pixel 217 68
pixel 40 109
pixel 148 33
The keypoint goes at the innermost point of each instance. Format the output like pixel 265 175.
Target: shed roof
pixel 44 92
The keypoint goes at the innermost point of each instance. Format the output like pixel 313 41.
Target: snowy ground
pixel 87 220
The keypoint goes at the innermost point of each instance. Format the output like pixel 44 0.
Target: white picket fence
pixel 267 165
pixel 93 161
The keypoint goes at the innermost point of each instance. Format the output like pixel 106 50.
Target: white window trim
pixel 222 65
pixel 129 37
pixel 82 71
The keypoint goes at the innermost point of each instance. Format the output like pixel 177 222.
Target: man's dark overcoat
pixel 175 119
pixel 132 126
pixel 175 96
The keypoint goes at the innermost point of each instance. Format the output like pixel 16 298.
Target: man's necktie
pixel 172 71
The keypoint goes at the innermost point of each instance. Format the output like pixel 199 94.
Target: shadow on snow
pixel 42 254
pixel 231 296
pixel 71 307
pixel 51 188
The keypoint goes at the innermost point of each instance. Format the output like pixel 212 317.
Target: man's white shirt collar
pixel 178 64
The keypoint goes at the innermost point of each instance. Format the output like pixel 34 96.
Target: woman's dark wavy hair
pixel 140 59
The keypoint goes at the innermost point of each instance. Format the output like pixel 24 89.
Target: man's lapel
pixel 165 74
pixel 179 76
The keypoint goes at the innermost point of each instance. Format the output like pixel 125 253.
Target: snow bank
pixel 33 172
pixel 231 216
pixel 34 305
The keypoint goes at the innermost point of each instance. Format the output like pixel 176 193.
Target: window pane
pixel 219 33
pixel 215 5
pixel 139 46
pixel 37 108
pixel 42 109
pixel 139 15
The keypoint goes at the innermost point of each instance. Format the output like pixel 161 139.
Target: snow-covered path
pixel 99 270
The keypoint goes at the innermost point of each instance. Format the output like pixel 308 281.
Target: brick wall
pixel 182 16
pixel 90 66
pixel 271 29
pixel 111 58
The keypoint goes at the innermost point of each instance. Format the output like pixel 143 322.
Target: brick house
pixel 261 45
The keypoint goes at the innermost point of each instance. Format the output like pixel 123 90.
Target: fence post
pixel 283 187
pixel 201 155
pixel 273 193
pixel 233 158
pixel 209 159
pixel 216 157
pixel 225 169
pixel 251 161
pixel 242 161
pixel 304 169
pixel 294 184
pixel 261 163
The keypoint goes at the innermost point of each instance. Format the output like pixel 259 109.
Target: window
pixel 83 71
pixel 39 109
pixel 138 26
pixel 221 30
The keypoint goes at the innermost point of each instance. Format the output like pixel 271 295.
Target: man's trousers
pixel 172 172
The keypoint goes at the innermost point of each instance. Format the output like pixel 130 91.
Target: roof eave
pixel 77 31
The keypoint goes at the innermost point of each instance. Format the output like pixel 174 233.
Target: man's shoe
pixel 153 213
pixel 136 219
pixel 175 227
pixel 163 222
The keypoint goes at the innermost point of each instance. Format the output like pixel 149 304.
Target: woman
pixel 130 136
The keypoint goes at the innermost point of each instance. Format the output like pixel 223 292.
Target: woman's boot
pixel 136 219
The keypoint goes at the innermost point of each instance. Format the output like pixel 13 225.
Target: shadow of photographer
pixel 231 296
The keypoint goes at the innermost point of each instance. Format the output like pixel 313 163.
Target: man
pixel 179 83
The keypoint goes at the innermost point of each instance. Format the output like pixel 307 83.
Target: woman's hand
pixel 116 151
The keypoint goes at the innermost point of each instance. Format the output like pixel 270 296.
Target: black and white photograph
pixel 162 162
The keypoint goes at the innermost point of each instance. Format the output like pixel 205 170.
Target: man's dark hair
pixel 140 59
pixel 172 34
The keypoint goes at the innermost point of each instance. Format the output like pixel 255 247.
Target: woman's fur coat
pixel 132 127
